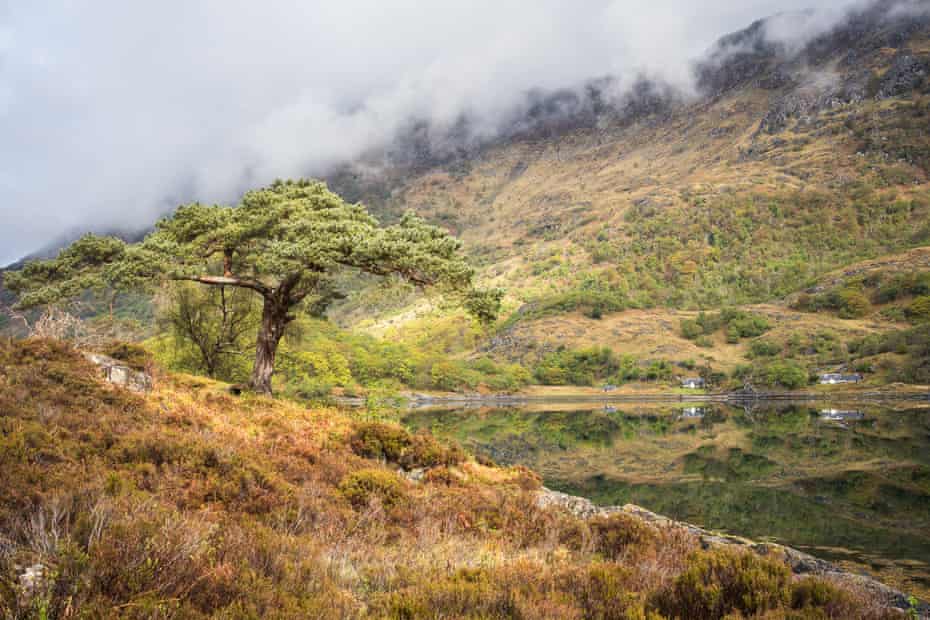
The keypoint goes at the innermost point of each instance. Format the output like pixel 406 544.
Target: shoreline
pixel 415 400
pixel 800 563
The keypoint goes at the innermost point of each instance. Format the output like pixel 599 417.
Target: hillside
pixel 610 219
pixel 784 167
pixel 609 224
pixel 188 502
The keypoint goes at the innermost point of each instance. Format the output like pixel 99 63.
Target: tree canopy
pixel 286 242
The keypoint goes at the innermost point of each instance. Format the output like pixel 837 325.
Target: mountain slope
pixel 788 165
pixel 612 223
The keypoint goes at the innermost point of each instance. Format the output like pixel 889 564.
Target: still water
pixel 849 483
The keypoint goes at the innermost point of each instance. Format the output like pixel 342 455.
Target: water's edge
pixel 417 400
pixel 801 563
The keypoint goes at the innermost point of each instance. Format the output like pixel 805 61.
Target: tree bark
pixel 274 319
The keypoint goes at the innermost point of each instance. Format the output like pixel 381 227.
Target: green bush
pixel 736 323
pixel 913 343
pixel 454 375
pixel 902 285
pixel 362 486
pixel 593 297
pixel 691 329
pixel 787 374
pixel 133 355
pixel 745 324
pixel 721 582
pixel 853 304
pixel 812 593
pixel 617 534
pixel 378 440
pixel 919 310
pixel 763 348
pixel 581 367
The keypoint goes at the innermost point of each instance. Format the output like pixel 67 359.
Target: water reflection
pixel 851 484
pixel 693 413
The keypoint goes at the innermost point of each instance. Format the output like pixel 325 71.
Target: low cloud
pixel 113 112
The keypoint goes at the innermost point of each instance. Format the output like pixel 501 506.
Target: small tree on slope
pixel 284 243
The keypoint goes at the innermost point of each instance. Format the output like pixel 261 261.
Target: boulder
pixel 119 374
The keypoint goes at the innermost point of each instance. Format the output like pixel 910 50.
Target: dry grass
pixel 656 334
pixel 191 503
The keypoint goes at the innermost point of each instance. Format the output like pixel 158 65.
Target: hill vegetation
pixel 792 189
pixel 191 503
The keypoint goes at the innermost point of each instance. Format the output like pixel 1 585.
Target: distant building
pixel 832 378
pixel 693 383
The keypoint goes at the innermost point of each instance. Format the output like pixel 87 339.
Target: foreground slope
pixel 188 502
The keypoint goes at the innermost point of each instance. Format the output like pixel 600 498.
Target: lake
pixel 849 483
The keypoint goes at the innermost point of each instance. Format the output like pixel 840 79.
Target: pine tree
pixel 285 243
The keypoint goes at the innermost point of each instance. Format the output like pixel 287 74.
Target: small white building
pixel 693 383
pixel 833 378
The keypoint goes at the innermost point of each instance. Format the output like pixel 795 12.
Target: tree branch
pixel 224 281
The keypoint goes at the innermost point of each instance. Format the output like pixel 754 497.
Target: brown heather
pixel 192 503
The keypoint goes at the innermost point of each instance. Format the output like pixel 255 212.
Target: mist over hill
pixel 130 126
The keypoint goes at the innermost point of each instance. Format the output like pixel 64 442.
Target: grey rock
pixel 414 475
pixel 905 75
pixel 32 578
pixel 119 374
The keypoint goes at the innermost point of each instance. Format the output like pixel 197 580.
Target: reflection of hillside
pixel 861 483
pixel 816 521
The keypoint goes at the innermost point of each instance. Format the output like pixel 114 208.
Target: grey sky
pixel 111 112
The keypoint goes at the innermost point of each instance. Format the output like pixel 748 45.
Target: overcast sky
pixel 112 112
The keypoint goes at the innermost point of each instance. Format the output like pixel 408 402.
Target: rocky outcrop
pixel 907 73
pixel 119 374
pixel 805 104
pixel 801 563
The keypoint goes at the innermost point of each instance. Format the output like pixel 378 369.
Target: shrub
pixel 786 374
pixel 603 590
pixel 452 376
pixel 618 534
pixel 764 348
pixel 377 440
pixel 425 451
pixel 812 593
pixel 133 355
pixel 362 486
pixel 901 285
pixel 690 329
pixel 724 581
pixel 919 310
pixel 581 367
pixel 744 324
pixel 853 304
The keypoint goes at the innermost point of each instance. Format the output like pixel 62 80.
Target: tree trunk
pixel 274 320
